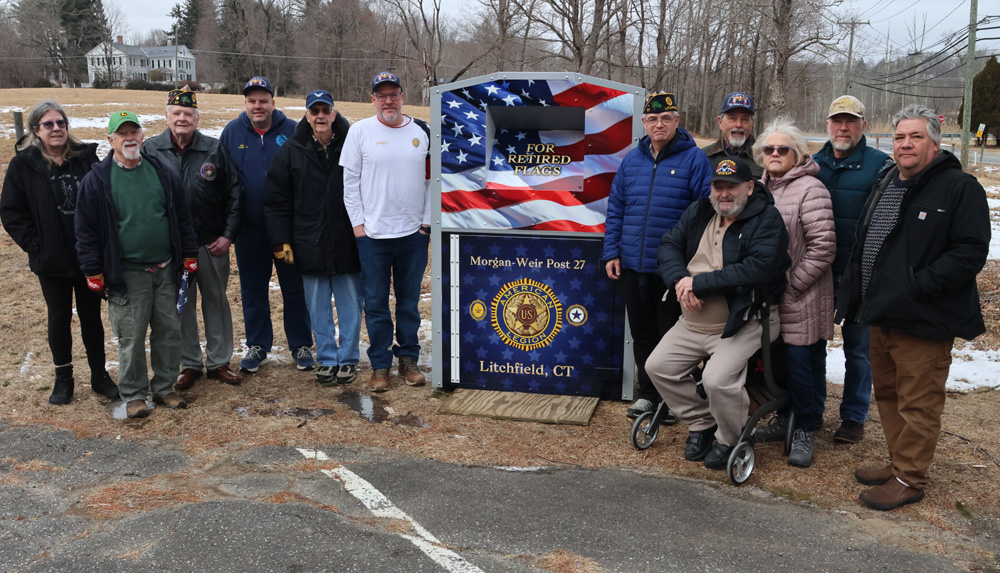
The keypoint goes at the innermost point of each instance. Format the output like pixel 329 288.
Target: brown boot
pixel 873 476
pixel 186 379
pixel 409 371
pixel 379 381
pixel 171 400
pixel 890 495
pixel 136 409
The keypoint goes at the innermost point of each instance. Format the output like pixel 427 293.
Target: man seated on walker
pixel 725 258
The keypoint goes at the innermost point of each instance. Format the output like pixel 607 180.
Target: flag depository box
pixel 522 166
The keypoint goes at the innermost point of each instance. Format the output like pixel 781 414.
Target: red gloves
pixel 96 283
pixel 191 265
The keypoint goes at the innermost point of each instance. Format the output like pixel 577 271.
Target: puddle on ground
pixel 375 409
pixel 118 412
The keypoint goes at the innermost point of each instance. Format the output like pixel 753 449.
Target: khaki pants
pixel 909 380
pixel 681 349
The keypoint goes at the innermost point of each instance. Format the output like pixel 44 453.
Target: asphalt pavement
pixel 70 504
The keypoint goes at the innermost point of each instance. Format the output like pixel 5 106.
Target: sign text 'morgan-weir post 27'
pixel 522 167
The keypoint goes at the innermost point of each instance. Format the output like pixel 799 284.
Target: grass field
pixel 959 517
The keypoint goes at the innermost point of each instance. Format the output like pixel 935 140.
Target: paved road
pixel 69 504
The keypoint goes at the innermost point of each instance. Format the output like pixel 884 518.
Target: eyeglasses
pixel 316 110
pixel 390 97
pixel 60 123
pixel 658 120
pixel 781 149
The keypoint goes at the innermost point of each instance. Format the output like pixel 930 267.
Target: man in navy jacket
pixel 653 187
pixel 253 139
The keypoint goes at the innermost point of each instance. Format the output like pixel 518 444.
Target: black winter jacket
pixel 924 281
pixel 97 243
pixel 754 256
pixel 210 181
pixel 304 203
pixel 28 209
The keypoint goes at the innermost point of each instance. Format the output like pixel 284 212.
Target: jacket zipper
pixel 645 221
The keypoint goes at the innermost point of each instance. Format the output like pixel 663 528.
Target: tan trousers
pixel 909 376
pixel 681 349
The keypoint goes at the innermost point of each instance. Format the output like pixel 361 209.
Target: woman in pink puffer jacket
pixel 807 306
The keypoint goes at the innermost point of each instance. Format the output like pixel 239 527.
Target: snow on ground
pixel 970 369
pixel 102 122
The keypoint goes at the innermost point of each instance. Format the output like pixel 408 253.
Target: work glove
pixel 283 252
pixel 191 265
pixel 96 283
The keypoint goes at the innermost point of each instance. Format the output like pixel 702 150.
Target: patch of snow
pixel 970 369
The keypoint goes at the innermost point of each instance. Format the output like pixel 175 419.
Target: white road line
pixel 380 506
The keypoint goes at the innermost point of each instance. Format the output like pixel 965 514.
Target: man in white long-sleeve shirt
pixel 386 172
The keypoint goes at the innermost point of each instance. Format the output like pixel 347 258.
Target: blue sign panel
pixel 534 314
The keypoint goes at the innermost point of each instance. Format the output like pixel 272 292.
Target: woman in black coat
pixel 37 206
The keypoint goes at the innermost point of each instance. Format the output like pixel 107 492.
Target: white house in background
pixel 136 62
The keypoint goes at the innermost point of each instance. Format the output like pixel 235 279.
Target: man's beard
pixel 736 140
pixel 841 146
pixel 131 152
pixel 739 203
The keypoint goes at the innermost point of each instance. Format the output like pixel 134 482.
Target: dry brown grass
pixel 965 474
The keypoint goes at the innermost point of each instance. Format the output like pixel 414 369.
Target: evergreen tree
pixel 985 98
pixel 187 18
pixel 84 26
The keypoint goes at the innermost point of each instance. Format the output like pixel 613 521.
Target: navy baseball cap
pixel 319 96
pixel 731 169
pixel 737 100
pixel 258 83
pixel 385 78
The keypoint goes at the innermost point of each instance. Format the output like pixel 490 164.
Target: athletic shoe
pixel 326 376
pixel 252 360
pixel 347 373
pixel 304 358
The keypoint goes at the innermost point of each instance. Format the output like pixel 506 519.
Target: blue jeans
pixel 400 262
pixel 255 260
pixel 807 383
pixel 345 290
pixel 858 375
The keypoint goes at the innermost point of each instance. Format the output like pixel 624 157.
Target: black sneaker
pixel 802 449
pixel 774 431
pixel 718 458
pixel 325 376
pixel 347 373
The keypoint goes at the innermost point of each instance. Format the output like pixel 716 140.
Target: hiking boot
pixel 849 432
pixel 409 371
pixel 718 458
pixel 326 376
pixel 62 389
pixel 171 400
pixel 890 495
pixel 102 384
pixel 347 373
pixel 186 379
pixel 254 357
pixel 379 381
pixel 774 431
pixel 639 407
pixel 304 358
pixel 802 448
pixel 698 444
pixel 136 409
pixel 873 476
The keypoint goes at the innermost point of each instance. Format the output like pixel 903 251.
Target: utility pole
pixel 970 72
pixel 850 53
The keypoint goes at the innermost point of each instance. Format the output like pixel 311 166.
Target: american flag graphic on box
pixel 499 173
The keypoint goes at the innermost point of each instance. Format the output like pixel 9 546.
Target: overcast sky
pixel 892 19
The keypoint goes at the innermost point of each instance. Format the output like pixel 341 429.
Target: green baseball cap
pixel 120 117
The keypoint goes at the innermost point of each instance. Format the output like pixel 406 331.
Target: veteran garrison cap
pixel 731 169
pixel 659 102
pixel 120 117
pixel 737 100
pixel 183 97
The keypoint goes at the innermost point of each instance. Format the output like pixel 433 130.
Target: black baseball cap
pixel 732 170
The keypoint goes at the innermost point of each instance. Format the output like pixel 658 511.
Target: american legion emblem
pixel 526 314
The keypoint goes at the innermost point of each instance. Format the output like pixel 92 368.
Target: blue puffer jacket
pixel 849 182
pixel 648 197
pixel 252 154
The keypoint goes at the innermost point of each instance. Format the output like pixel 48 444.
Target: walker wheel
pixel 741 462
pixel 644 431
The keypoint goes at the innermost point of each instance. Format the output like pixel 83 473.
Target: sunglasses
pixel 781 149
pixel 316 110
pixel 60 123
